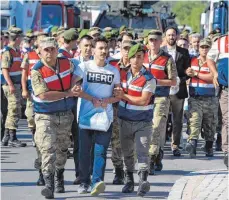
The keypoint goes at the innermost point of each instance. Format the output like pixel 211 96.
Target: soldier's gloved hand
pixel 12 89
pixel 25 94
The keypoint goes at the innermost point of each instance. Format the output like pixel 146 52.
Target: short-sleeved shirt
pixel 98 82
pixel 170 67
pixel 38 84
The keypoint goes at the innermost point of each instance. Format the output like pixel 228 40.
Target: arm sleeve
pixel 25 62
pixel 213 54
pixel 38 84
pixel 150 86
pixel 117 77
pixel 5 60
pixel 171 69
pixel 78 68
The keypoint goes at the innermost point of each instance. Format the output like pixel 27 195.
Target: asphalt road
pixel 18 177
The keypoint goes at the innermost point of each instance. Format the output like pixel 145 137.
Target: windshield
pixel 144 23
pixel 4 22
pixel 113 21
pixel 51 15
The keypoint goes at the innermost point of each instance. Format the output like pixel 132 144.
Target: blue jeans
pixel 101 140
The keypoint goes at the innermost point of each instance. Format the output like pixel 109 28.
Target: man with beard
pixel 182 60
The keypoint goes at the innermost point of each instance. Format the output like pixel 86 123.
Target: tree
pixel 189 13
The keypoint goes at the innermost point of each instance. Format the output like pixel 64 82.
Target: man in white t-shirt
pixel 96 91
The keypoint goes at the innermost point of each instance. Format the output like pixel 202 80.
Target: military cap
pixel 122 28
pixel 74 29
pixel 93 32
pixel 29 35
pixel 205 42
pixel 70 35
pixel 155 34
pixel 107 29
pixel 95 28
pixel 39 33
pixel 48 42
pixel 184 36
pixel 115 32
pixel 79 30
pixel 5 33
pixel 12 26
pixel 135 49
pixel 60 33
pixel 14 31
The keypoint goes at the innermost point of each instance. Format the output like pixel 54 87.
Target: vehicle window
pixel 144 23
pixel 113 21
pixel 51 15
pixel 4 22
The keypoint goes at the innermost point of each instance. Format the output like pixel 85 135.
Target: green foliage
pixel 189 13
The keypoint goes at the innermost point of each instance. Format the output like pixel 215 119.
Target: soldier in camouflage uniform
pixel 164 70
pixel 28 62
pixel 11 61
pixel 203 105
pixel 117 156
pixel 53 102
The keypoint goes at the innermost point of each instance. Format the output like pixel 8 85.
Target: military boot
pixel 152 165
pixel 119 176
pixel 218 142
pixel 158 163
pixel 144 185
pixel 40 181
pixel 48 190
pixel 191 148
pixel 33 135
pixel 6 137
pixel 59 181
pixel 14 142
pixel 209 149
pixel 129 186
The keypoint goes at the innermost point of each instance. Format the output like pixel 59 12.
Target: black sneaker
pixel 176 152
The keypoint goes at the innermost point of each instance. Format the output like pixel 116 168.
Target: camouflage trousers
pixel 116 156
pixel 14 106
pixel 160 116
pixel 203 113
pixel 52 138
pixel 29 113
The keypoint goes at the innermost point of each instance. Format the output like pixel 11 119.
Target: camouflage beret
pixel 61 28
pixel 29 31
pixel 37 33
pixel 135 49
pixel 122 28
pixel 48 42
pixel 59 33
pixel 70 35
pixel 29 35
pixel 5 33
pixel 205 42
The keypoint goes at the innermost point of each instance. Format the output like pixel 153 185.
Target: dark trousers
pixel 101 142
pixel 177 110
pixel 4 105
pixel 75 135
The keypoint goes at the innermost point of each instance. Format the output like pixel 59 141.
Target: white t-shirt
pixel 98 82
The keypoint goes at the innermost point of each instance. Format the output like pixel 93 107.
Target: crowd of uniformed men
pixel 90 87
